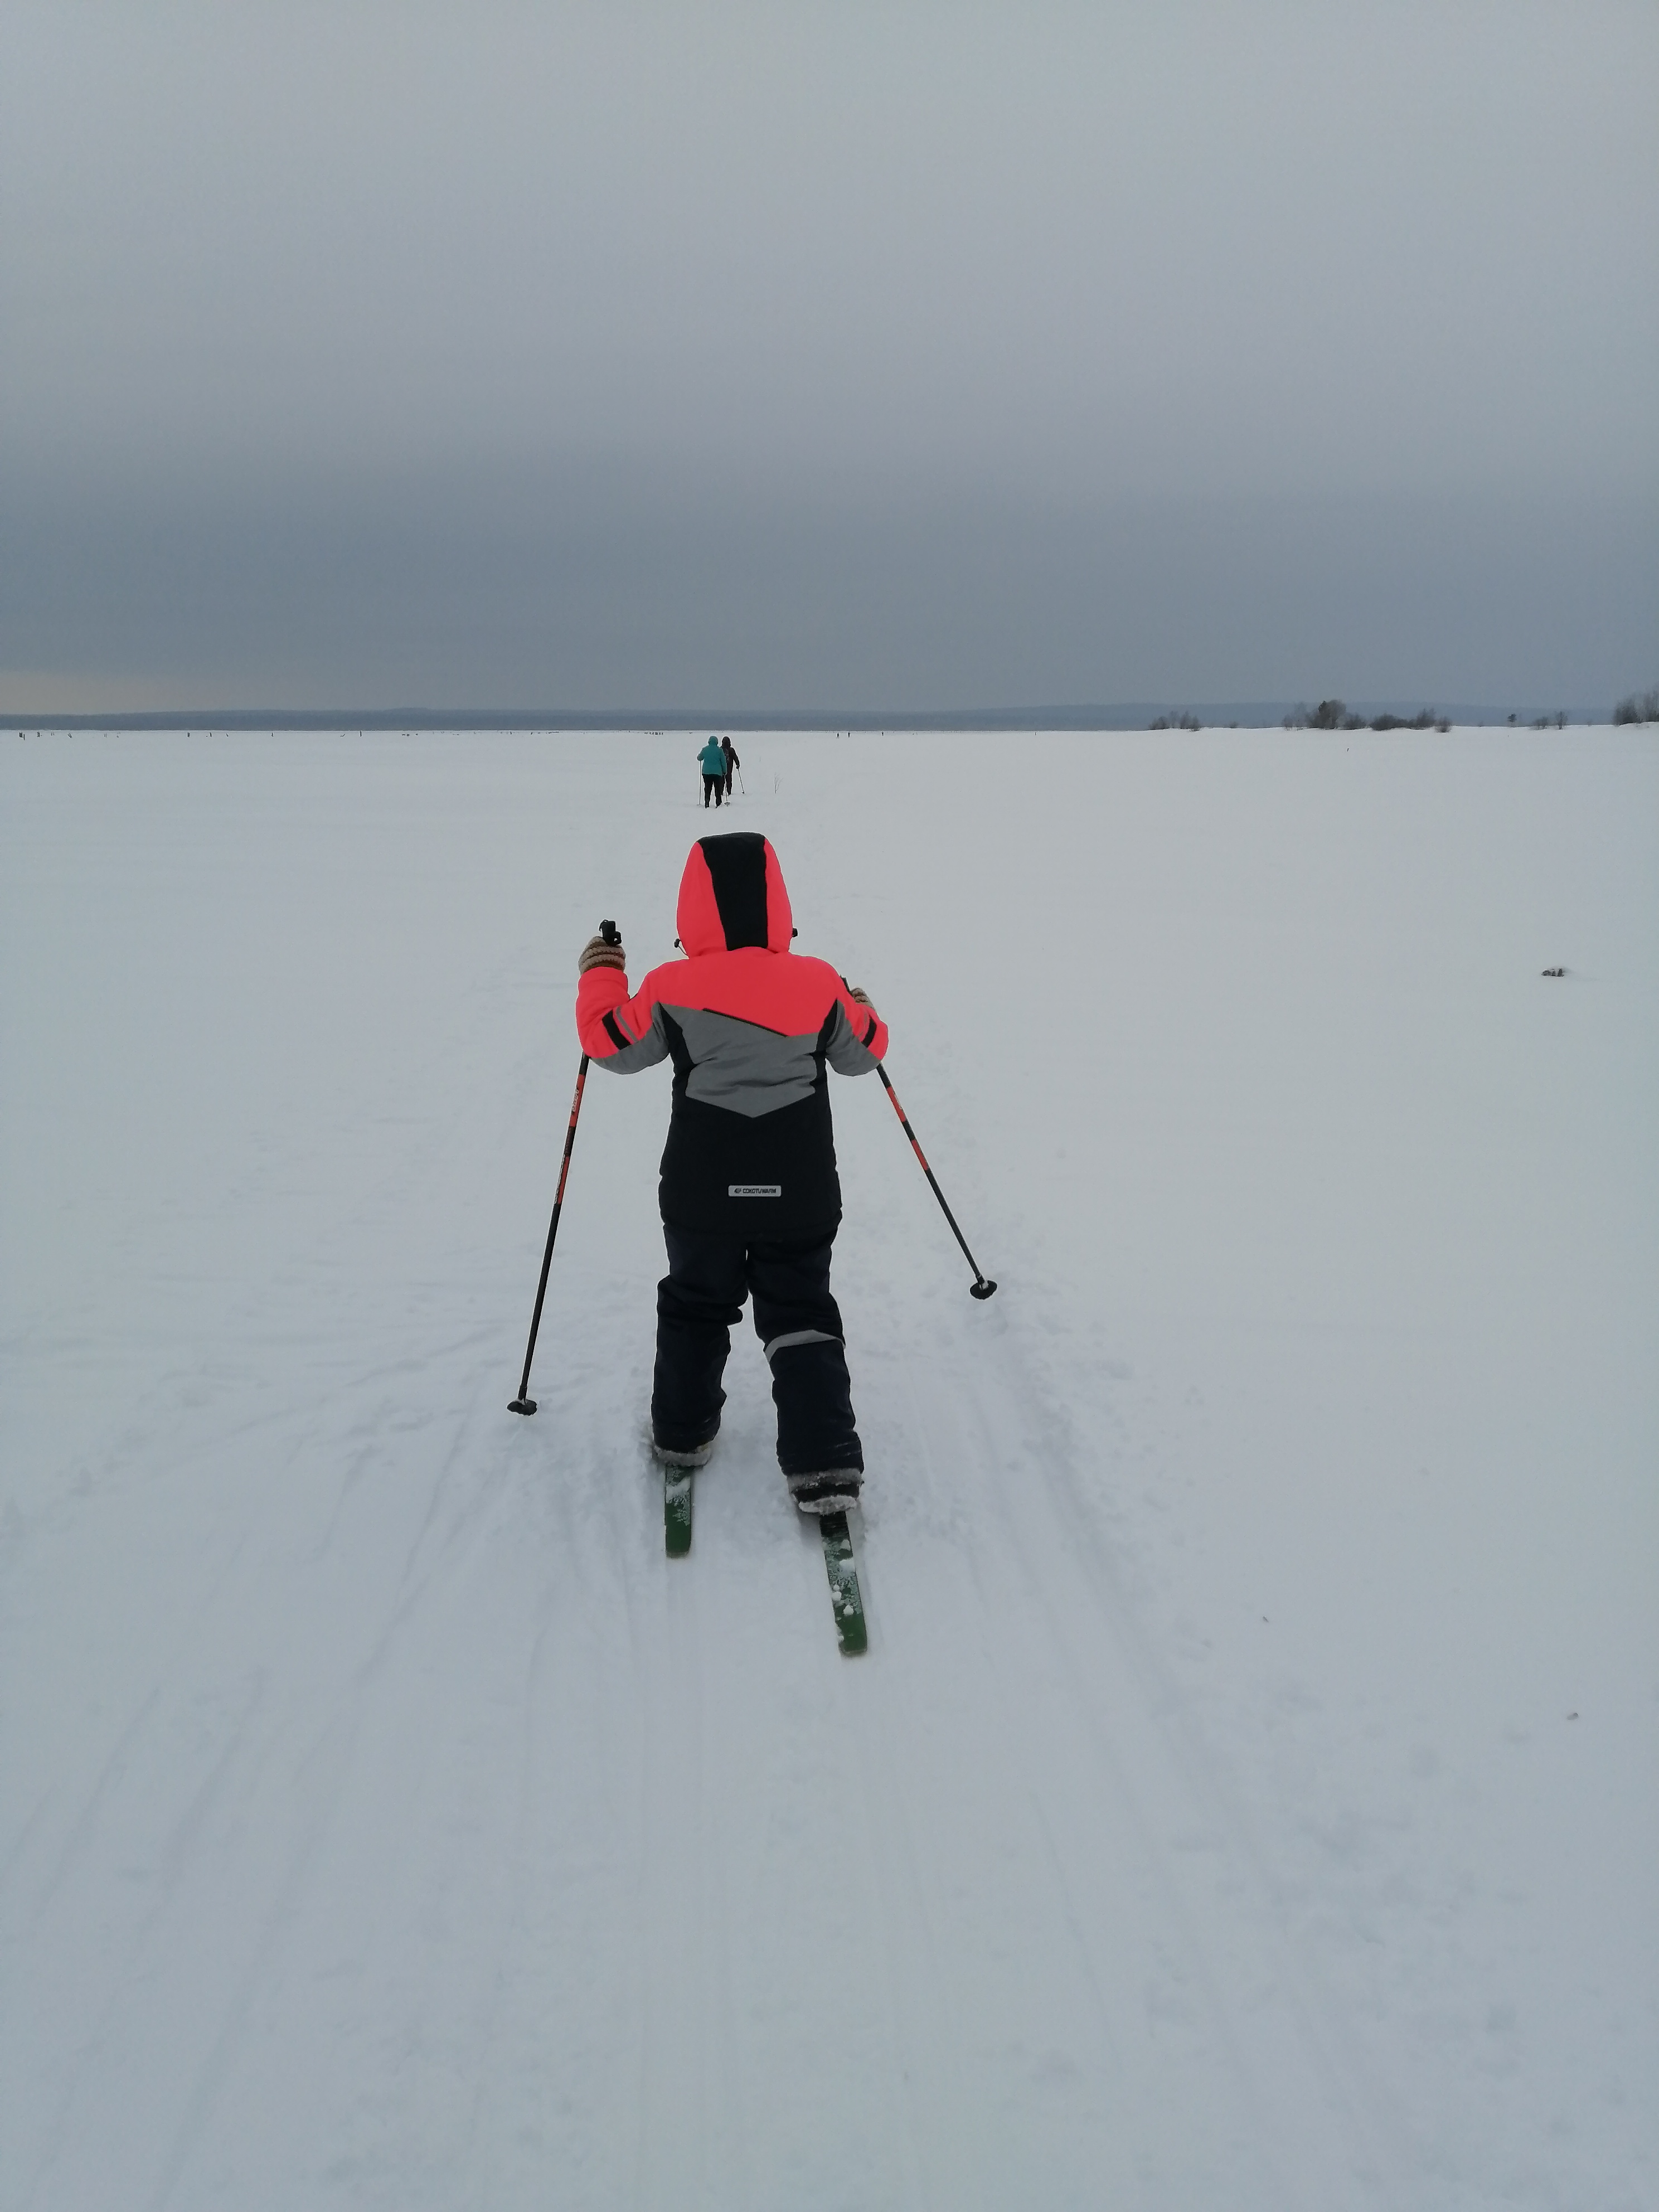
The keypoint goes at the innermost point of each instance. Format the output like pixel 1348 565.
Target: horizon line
pixel 1129 715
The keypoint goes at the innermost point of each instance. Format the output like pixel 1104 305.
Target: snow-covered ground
pixel 1250 1798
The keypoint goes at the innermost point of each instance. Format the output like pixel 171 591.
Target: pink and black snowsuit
pixel 750 1196
pixel 750 1026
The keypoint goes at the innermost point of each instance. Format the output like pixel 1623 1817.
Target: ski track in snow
pixel 387 1822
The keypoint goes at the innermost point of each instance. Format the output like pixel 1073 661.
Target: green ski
pixel 676 1511
pixel 845 1594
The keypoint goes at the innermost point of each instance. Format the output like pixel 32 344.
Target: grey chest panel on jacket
pixel 742 1066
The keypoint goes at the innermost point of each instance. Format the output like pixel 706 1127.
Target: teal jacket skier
pixel 711 761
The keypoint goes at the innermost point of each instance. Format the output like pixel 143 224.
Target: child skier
pixel 751 1199
pixel 711 761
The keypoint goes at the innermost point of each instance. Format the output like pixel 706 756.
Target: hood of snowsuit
pixel 732 894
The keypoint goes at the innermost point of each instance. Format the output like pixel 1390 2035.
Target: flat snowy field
pixel 1251 1797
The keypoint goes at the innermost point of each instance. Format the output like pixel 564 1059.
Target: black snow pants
pixel 798 1322
pixel 713 787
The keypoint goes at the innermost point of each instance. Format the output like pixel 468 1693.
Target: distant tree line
pixel 1332 715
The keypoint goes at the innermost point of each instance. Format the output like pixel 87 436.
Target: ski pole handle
pixel 982 1286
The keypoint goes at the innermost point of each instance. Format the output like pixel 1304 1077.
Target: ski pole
pixel 523 1403
pixel 742 786
pixel 982 1286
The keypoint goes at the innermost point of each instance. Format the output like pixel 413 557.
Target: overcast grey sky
pixel 783 355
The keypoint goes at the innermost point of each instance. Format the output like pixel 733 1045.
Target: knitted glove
pixel 863 999
pixel 596 953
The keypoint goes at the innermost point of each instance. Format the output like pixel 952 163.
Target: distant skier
pixel 750 1197
pixel 711 761
pixel 730 752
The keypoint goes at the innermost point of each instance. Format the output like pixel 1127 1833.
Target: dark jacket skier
pixel 750 1195
pixel 732 761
